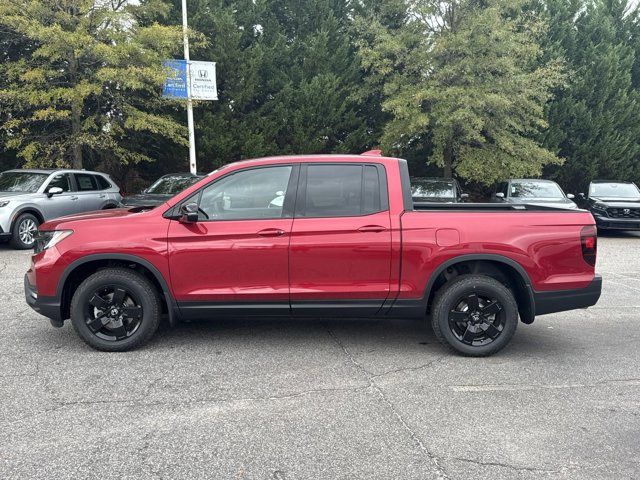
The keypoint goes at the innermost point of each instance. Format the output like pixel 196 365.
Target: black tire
pixel 136 317
pixel 479 327
pixel 23 231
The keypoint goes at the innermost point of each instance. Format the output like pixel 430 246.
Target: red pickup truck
pixel 321 235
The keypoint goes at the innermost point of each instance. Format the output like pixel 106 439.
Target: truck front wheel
pixel 475 315
pixel 115 309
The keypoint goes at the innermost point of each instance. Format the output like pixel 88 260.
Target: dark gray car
pixel 439 190
pixel 162 190
pixel 30 197
pixel 532 191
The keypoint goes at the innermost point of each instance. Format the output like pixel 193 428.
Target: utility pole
pixel 192 136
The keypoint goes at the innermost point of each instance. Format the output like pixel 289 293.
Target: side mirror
pixel 189 212
pixel 581 195
pixel 464 195
pixel 54 191
pixel 570 196
pixel 499 195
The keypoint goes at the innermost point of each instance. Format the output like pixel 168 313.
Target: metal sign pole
pixel 192 136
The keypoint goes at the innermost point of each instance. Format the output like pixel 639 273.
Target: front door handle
pixel 74 198
pixel 372 228
pixel 271 232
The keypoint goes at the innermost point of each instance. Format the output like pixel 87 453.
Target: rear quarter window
pixel 103 183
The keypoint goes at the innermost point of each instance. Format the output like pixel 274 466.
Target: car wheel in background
pixel 475 315
pixel 115 310
pixel 24 230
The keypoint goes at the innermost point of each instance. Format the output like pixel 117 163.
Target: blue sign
pixel 175 86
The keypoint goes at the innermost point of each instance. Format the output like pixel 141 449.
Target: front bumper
pixel 562 300
pixel 47 306
pixel 607 223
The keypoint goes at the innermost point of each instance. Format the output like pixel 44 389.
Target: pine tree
pixel 468 74
pixel 89 80
pixel 595 122
pixel 287 73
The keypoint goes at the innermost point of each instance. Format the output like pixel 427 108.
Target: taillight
pixel 589 242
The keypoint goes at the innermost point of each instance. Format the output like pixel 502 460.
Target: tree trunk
pixel 76 116
pixel 75 129
pixel 448 160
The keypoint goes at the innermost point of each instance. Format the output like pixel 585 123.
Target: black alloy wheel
pixel 476 315
pixel 115 309
pixel 477 319
pixel 113 313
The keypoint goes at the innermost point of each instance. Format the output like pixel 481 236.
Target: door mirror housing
pixel 189 212
pixel 464 196
pixel 54 191
pixel 581 195
pixel 570 196
pixel 499 195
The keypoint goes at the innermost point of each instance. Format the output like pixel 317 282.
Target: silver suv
pixel 30 197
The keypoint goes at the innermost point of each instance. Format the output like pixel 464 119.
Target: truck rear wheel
pixel 475 315
pixel 115 310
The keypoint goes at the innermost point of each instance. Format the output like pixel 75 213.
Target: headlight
pixel 4 203
pixel 599 206
pixel 49 239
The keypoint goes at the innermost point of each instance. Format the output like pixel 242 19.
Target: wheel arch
pixel 26 209
pixel 82 268
pixel 500 267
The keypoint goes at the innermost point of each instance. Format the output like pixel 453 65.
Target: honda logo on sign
pixel 203 73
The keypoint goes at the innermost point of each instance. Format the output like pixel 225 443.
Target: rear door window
pixel 86 182
pixel 341 191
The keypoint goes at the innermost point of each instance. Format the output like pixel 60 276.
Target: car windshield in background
pixel 614 190
pixel 535 190
pixel 25 182
pixel 171 185
pixel 432 189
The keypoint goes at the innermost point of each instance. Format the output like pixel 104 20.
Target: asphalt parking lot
pixel 326 399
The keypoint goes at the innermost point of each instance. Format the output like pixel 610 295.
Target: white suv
pixel 30 197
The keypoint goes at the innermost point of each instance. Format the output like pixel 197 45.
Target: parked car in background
pixel 348 241
pixel 533 192
pixel 162 190
pixel 614 205
pixel 31 197
pixel 441 190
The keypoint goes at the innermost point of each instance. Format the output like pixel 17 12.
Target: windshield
pixel 614 190
pixel 535 190
pixel 171 184
pixel 26 182
pixel 432 189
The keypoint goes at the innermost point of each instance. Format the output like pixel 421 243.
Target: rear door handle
pixel 102 195
pixel 372 228
pixel 271 232
pixel 74 198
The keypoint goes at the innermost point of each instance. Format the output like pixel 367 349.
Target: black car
pixel 162 190
pixel 532 191
pixel 441 190
pixel 614 205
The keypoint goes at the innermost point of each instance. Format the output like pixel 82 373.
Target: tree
pixel 595 121
pixel 468 74
pixel 88 81
pixel 287 73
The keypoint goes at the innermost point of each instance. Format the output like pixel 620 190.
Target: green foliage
pixel 87 77
pixel 485 89
pixel 470 75
pixel 287 73
pixel 595 122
